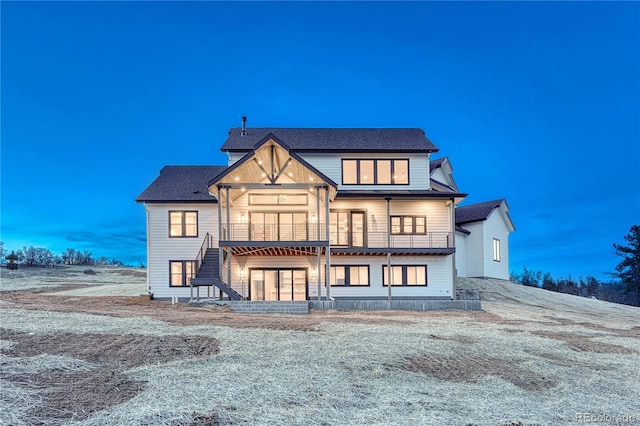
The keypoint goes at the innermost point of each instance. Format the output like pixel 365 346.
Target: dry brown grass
pixel 186 365
pixel 471 368
pixel 75 394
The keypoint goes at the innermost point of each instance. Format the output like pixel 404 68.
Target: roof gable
pixel 481 211
pixel 333 139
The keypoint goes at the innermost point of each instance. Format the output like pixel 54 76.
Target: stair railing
pixel 238 283
pixel 207 243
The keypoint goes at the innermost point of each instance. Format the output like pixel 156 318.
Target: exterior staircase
pixel 208 274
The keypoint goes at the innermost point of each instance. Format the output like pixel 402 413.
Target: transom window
pixel 183 224
pixel 375 172
pixel 181 272
pixel 408 225
pixel 405 275
pixel 496 250
pixel 351 275
pixel 278 199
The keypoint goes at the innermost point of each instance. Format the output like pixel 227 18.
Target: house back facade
pixel 300 214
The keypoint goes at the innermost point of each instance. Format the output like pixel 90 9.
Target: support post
pixel 319 249
pixel 327 275
pixel 220 237
pixel 228 215
pixel 229 266
pixel 388 251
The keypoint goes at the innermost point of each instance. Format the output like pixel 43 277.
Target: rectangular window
pixel 383 169
pixel 183 224
pixel 350 276
pixel 181 272
pixel 400 172
pixel 375 172
pixel 349 172
pixel 278 199
pixel 496 250
pixel 408 225
pixel 405 275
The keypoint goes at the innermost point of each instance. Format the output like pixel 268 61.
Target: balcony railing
pixel 309 232
pixel 281 232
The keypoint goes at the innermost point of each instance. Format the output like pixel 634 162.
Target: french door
pixel 278 226
pixel 278 284
pixel 348 228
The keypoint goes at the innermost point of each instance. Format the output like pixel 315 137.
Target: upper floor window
pixel 496 250
pixel 408 225
pixel 183 224
pixel 375 172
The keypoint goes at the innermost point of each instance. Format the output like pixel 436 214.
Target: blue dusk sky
pixel 538 103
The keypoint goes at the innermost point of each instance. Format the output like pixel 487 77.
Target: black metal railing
pixel 238 283
pixel 338 238
pixel 207 243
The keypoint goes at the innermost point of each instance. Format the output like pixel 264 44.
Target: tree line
pixel 624 287
pixel 41 256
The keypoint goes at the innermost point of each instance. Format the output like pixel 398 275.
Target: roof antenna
pixel 244 126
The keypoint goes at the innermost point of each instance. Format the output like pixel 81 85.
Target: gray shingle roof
pixel 434 164
pixel 411 193
pixel 181 184
pixel 476 212
pixel 337 140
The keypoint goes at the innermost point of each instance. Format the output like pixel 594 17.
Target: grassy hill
pixel 88 356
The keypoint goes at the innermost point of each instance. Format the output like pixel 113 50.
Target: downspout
pixel 220 237
pixel 146 208
pixel 228 237
pixel 452 243
pixel 388 250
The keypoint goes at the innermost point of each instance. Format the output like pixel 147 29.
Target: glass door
pixel 278 284
pixel 286 284
pixel 357 229
pixel 299 285
pixel 270 285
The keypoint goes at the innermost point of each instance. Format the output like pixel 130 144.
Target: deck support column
pixel 327 274
pixel 319 249
pixel 388 250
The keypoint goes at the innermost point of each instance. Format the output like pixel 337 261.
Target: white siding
pixel 495 227
pixel 331 166
pixel 461 254
pixel 474 250
pixel 439 282
pixel 437 212
pixel 162 249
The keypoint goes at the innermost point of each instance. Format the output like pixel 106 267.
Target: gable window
pixel 408 225
pixel 405 275
pixel 375 172
pixel 181 272
pixel 352 275
pixel 183 224
pixel 496 250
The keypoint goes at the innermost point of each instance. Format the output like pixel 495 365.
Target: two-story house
pixel 301 214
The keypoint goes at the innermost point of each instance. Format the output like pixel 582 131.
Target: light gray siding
pixel 461 254
pixel 162 249
pixel 475 250
pixel 495 227
pixel 331 166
